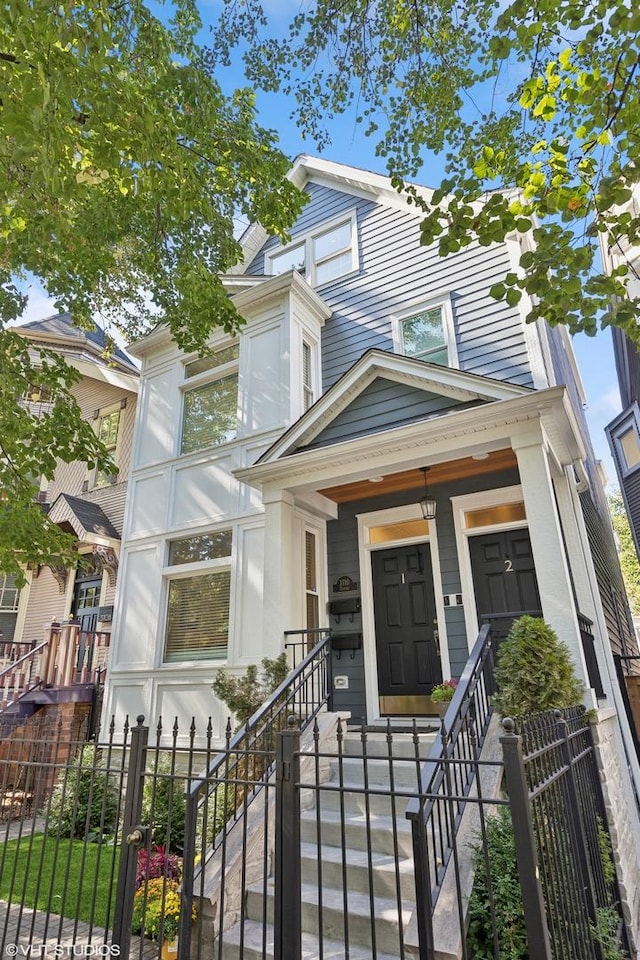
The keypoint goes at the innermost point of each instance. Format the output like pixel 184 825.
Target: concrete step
pixel 378 800
pixel 246 942
pixel 381 873
pixel 366 921
pixel 378 771
pixel 358 830
pixel 402 747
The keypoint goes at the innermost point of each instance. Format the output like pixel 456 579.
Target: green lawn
pixel 65 877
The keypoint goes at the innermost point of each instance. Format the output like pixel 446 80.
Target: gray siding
pixel 342 546
pixel 397 272
pixel 381 405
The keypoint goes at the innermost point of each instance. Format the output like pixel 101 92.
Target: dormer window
pixel 329 252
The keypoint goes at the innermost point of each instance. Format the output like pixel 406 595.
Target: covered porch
pixel 404 596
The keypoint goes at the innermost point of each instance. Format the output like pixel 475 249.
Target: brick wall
pixel 623 815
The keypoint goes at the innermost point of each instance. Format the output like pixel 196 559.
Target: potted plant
pixel 156 913
pixel 442 694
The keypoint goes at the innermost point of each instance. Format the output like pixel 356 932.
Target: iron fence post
pixel 288 872
pixel 422 879
pixel 532 899
pixel 188 874
pixel 130 841
pixel 576 821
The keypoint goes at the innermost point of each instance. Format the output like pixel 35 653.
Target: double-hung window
pixel 198 578
pixel 210 400
pixel 427 333
pixel 322 255
pixel 108 424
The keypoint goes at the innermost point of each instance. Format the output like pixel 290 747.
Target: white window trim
pixel 202 379
pixel 625 425
pixel 460 506
pixel 307 239
pixel 181 571
pixel 365 548
pixel 117 451
pixel 422 306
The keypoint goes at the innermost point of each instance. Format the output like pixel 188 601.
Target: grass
pixel 67 877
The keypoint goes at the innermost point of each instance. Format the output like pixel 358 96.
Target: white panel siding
pixel 264 387
pixel 149 498
pixel 159 397
pixel 248 595
pixel 139 619
pixel 204 492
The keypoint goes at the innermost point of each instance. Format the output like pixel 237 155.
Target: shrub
pixel 245 694
pixel 155 863
pixel 507 896
pixel 534 671
pixel 163 804
pixel 84 804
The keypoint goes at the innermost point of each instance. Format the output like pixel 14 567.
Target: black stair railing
pixel 221 796
pixel 449 772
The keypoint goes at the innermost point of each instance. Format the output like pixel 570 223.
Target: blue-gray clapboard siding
pixel 342 549
pixel 381 405
pixel 397 273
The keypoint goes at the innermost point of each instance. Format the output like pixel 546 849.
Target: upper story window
pixel 427 333
pixel 322 255
pixel 210 401
pixel 198 597
pixel 9 594
pixel 628 444
pixel 307 376
pixel 108 424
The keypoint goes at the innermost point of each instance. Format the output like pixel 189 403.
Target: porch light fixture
pixel 427 503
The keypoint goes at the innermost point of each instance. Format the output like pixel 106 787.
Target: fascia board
pixel 115 378
pixel 276 287
pixel 323 464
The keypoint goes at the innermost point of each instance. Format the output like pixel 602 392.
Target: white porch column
pixel 552 570
pixel 281 579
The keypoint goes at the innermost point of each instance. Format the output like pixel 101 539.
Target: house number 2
pixel 508 566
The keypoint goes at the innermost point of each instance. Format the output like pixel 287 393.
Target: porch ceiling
pixel 412 479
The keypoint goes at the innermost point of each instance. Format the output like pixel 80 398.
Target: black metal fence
pixel 118 845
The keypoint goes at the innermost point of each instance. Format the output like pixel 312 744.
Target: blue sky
pixel 595 355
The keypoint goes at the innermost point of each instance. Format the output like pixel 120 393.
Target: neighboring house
pixel 82 501
pixel 624 431
pixel 276 481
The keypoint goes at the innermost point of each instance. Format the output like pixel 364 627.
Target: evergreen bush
pixel 85 802
pixel 245 694
pixel 534 671
pixel 164 805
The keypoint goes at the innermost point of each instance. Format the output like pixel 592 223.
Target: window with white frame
pixel 307 375
pixel 329 252
pixel 198 579
pixel 9 594
pixel 210 400
pixel 107 425
pixel 628 444
pixel 426 333
pixel 312 598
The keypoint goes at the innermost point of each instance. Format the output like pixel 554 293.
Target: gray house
pixel 282 482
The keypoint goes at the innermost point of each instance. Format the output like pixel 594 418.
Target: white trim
pixel 423 306
pixel 307 240
pixel 460 506
pixel 365 549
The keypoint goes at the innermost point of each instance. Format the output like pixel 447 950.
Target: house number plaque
pixel 344 585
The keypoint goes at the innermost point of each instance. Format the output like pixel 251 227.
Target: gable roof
pixel 339 176
pixel 88 520
pixel 59 330
pixel 431 378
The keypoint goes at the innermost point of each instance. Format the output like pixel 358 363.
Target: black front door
pixel 504 579
pixel 406 629
pixel 86 603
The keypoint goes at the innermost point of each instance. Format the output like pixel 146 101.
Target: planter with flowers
pixel 442 695
pixel 156 903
